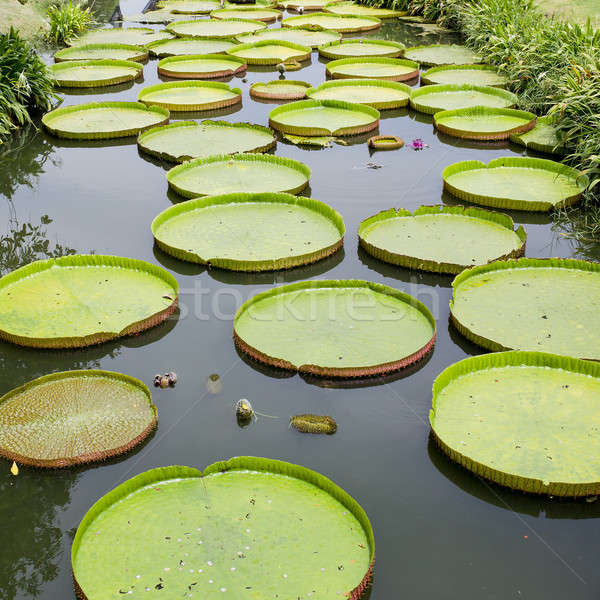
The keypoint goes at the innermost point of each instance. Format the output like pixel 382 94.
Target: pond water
pixel 440 532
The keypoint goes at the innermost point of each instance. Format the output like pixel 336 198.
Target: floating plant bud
pixel 172 377
pixel 214 384
pixel 157 379
pixel 243 411
pixel 314 424
pixel 164 382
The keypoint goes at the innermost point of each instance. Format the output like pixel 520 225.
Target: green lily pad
pixel 295 35
pixel 189 45
pixel 483 123
pixel 190 7
pixel 152 17
pixel 201 66
pixel 464 74
pixel 80 300
pixel 203 539
pixel 515 183
pixel 361 10
pixel 250 232
pixel 442 54
pixel 266 15
pixel 134 36
pixel 75 417
pixel 215 28
pixel 526 420
pixel 190 95
pixel 186 140
pixel 303 4
pixel 323 117
pixel 102 52
pixel 337 328
pixel 385 142
pixel 442 239
pixel 435 98
pixel 94 73
pixel 280 89
pixel 103 120
pixel 377 93
pixel 353 48
pixel 341 23
pixel 224 174
pixel 543 137
pixel 392 69
pixel 546 305
pixel 270 52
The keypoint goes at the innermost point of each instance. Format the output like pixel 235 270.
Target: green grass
pixel 67 19
pixel 577 11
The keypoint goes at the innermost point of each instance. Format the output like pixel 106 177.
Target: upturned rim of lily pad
pixel 522 139
pixel 171 27
pixel 88 457
pixel 382 83
pixel 331 67
pixel 385 142
pixel 125 67
pixel 328 50
pixel 238 65
pixel 272 13
pixel 433 266
pixel 426 75
pixel 302 52
pixel 271 93
pixel 198 106
pixel 140 53
pixel 369 24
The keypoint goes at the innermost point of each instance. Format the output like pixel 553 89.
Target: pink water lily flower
pixel 419 144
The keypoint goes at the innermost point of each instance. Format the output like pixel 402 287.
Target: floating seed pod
pixel 164 382
pixel 243 410
pixel 214 385
pixel 157 379
pixel 314 424
pixel 172 377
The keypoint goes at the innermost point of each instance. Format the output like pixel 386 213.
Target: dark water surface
pixel 440 532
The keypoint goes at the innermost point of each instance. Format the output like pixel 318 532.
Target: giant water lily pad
pixel 221 174
pixel 435 98
pixel 360 10
pixel 279 89
pixel 544 137
pixel 483 123
pixel 245 527
pixel 296 35
pixel 102 52
pixel 266 15
pixel 103 120
pixel 190 95
pixel 303 4
pixel 189 45
pixel 357 48
pixel 550 305
pixel 190 7
pixel 338 328
pixel 201 66
pixel 464 74
pixel 442 239
pixel 377 93
pixel 341 23
pixel 134 36
pixel 155 17
pixel 250 232
pixel 186 140
pixel 94 73
pixel 79 300
pixel 515 183
pixel 215 28
pixel 526 420
pixel 442 54
pixel 270 52
pixel 74 417
pixel 393 69
pixel 324 117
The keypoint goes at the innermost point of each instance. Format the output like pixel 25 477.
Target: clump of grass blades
pixel 67 19
pixel 26 85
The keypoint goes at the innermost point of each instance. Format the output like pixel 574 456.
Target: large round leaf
pixel 186 140
pixel 337 328
pixel 296 35
pixel 442 54
pixel 74 417
pixel 280 89
pixel 247 527
pixel 377 93
pixel 323 117
pixel 549 305
pixel 266 15
pixel 215 28
pixel 526 420
pixel 250 232
pixel 201 66
pixel 443 239
pixel 188 45
pixel 95 73
pixel 103 120
pixel 341 23
pixel 190 95
pixel 135 36
pixel 79 300
pixel 360 10
pixel 435 98
pixel 222 174
pixel 469 74
pixel 362 47
pixel 303 4
pixel 515 183
pixel 544 137
pixel 153 17
pixel 270 52
pixel 102 52
pixel 190 7
pixel 393 69
pixel 483 123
